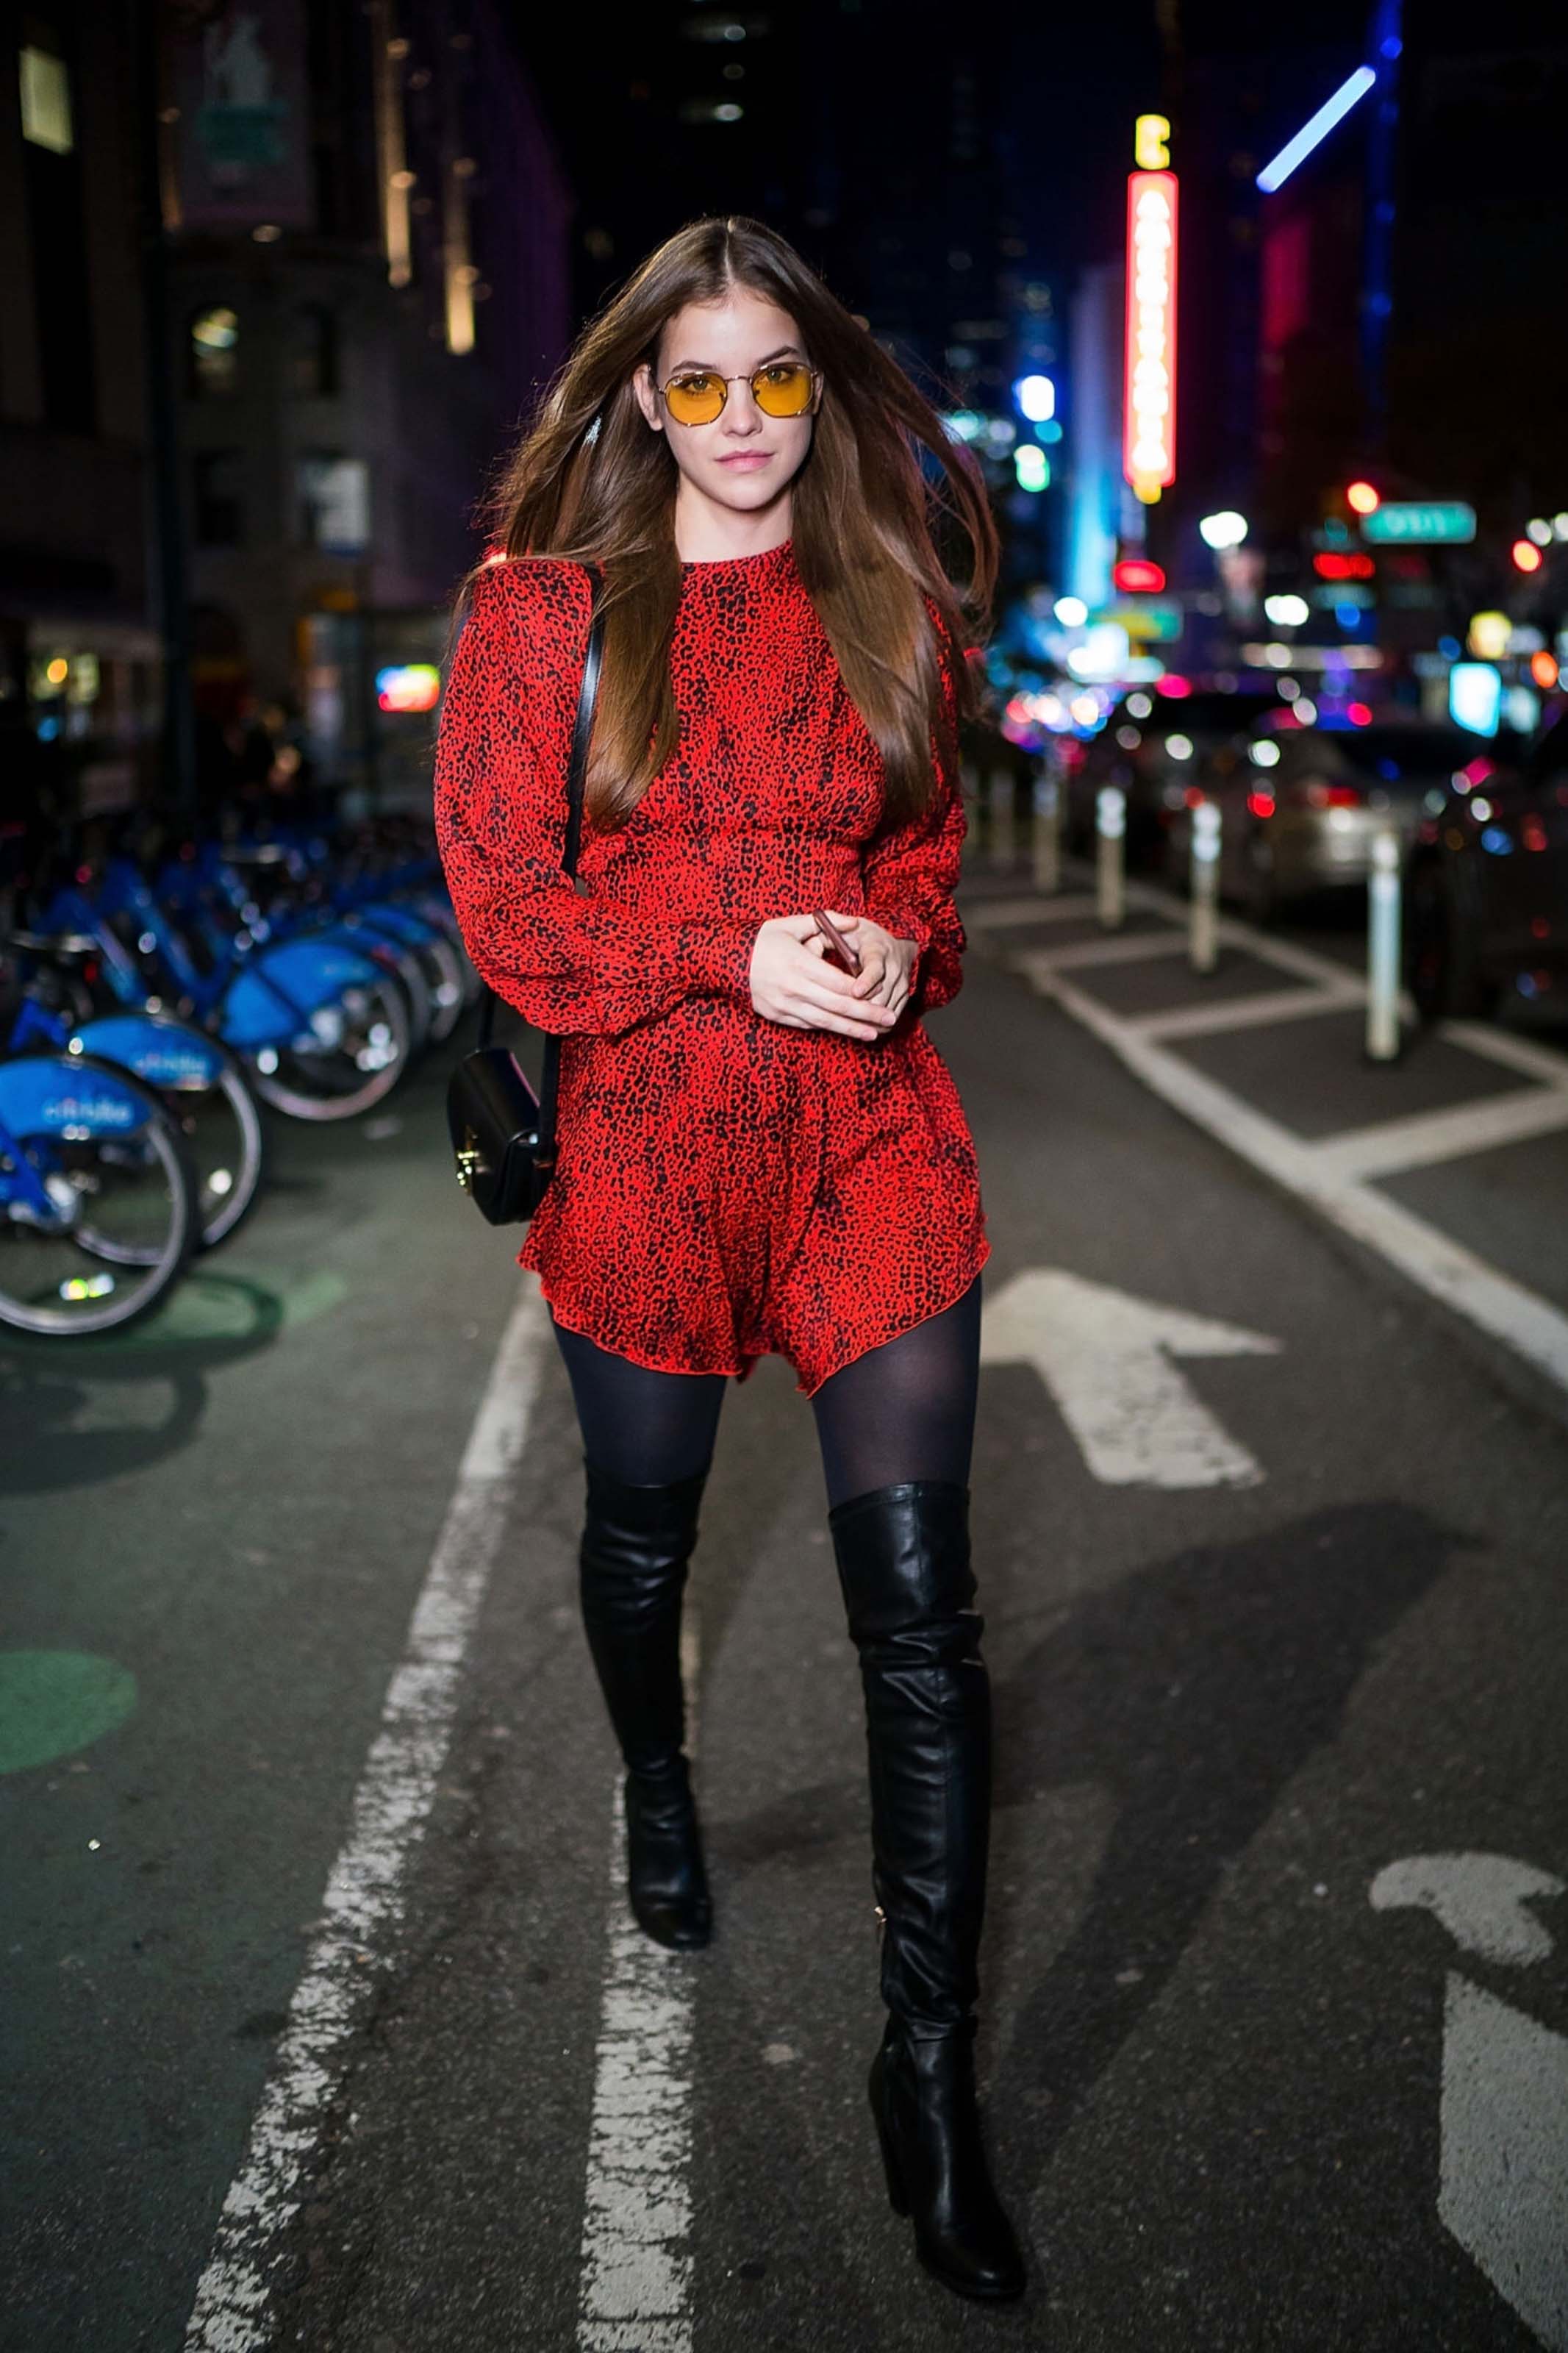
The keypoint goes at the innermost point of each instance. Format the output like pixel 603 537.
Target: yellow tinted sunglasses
pixel 782 388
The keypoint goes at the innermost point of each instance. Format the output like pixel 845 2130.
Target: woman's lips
pixel 746 461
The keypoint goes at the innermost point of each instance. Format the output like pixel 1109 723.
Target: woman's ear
pixel 646 398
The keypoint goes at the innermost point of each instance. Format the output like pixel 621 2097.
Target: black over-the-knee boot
pixel 903 1562
pixel 637 1543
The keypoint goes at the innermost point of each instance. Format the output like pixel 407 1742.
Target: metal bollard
pixel 1205 931
pixel 1004 819
pixel 1048 840
pixel 1110 827
pixel 1382 1035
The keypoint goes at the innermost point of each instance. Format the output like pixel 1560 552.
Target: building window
pixel 333 494
pixel 314 355
pixel 45 101
pixel 213 354
pixel 220 520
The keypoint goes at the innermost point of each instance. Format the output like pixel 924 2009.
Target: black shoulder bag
pixel 503 1135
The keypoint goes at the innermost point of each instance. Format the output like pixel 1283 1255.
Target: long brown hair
pixel 591 483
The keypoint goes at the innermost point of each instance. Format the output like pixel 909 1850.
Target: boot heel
pixel 896 2198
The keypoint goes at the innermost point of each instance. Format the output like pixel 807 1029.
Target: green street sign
pixel 1163 623
pixel 1402 521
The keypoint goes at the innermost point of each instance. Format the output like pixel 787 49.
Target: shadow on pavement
pixel 1192 1693
pixel 58 1433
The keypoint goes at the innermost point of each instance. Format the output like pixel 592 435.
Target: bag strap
pixel 576 779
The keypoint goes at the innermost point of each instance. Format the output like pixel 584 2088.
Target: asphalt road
pixel 1228 2090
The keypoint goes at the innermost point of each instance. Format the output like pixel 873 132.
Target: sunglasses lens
pixel 784 389
pixel 695 399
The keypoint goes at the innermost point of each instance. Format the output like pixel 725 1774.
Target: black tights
pixel 905 1411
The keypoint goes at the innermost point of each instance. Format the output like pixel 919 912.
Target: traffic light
pixel 1361 498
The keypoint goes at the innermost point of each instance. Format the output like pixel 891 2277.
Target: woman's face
pixel 742 460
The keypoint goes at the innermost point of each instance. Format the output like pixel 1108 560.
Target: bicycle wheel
pixel 349 1063
pixel 446 987
pixel 117 1232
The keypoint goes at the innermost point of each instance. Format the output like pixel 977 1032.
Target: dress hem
pixel 753 1357
pixel 910 1323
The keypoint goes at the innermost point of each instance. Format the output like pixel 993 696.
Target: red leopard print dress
pixel 725 1187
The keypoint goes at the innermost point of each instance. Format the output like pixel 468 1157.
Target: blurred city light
pixel 1333 109
pixel 1330 566
pixel 963 425
pixel 1539 530
pixel 1136 574
pixel 1527 556
pixel 1543 670
pixel 1151 142
pixel 1071 612
pixel 1031 467
pixel 1149 401
pixel 1474 697
pixel 1226 529
pixel 1363 499
pixel 1263 754
pixel 408 686
pixel 1036 397
pixel 1489 635
pixel 1287 612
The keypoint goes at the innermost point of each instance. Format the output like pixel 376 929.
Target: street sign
pixel 1163 623
pixel 1433 519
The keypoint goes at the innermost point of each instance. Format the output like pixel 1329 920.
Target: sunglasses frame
pixel 693 422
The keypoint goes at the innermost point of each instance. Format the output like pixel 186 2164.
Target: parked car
pixel 1151 746
pixel 1487 885
pixel 1299 807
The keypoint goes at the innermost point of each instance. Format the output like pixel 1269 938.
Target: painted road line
pixel 354 1944
pixel 1083 955
pixel 998 914
pixel 635 2294
pixel 1533 1060
pixel 1429 1137
pixel 1106 1359
pixel 1503 2161
pixel 1482 1900
pixel 1503 2178
pixel 1237 1013
pixel 1494 1302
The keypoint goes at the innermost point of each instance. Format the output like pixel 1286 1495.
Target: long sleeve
pixel 910 874
pixel 568 962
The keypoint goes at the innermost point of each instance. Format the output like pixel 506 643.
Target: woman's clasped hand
pixel 791 983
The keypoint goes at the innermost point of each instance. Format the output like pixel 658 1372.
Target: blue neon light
pixel 1311 135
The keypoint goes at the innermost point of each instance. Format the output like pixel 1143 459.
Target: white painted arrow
pixel 1106 1358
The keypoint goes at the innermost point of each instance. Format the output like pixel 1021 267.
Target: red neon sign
pixel 1149 392
pixel 1135 574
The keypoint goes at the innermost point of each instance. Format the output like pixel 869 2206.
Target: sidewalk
pixel 1451 1163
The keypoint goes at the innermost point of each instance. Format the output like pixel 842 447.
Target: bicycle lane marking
pixel 635 2286
pixel 363 1904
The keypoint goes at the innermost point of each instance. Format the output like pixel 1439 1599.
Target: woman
pixel 759 1148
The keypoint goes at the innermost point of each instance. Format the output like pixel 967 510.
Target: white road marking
pixel 1478 1898
pixel 1504 2168
pixel 362 1906
pixel 1428 1138
pixel 1521 1319
pixel 1106 1359
pixel 1238 1013
pixel 1120 947
pixel 1000 914
pixel 636 2284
